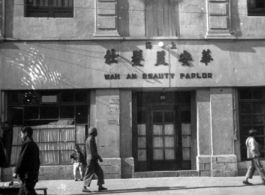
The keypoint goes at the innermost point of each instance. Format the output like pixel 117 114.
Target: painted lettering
pixel 112 76
pixel 196 75
pixel 182 75
pixel 131 76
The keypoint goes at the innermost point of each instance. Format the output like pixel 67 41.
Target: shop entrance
pixel 162 131
pixel 163 139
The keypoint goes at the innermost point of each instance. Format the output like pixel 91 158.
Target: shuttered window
pixel 161 18
pixel 49 8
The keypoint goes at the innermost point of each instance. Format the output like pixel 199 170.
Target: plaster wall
pixel 203 122
pixel 68 65
pixel 108 139
pixel 222 121
pixel 191 19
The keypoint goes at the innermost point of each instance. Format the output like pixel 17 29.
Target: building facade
pixel 172 86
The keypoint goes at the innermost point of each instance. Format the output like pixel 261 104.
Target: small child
pixel 79 162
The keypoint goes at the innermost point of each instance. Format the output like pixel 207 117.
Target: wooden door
pixel 163 140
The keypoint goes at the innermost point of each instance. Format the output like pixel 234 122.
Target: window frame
pixel 49 11
pixel 245 126
pixel 78 124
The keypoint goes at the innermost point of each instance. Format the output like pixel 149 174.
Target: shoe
pixel 102 188
pixel 86 190
pixel 247 183
pixel 75 179
pixel 81 179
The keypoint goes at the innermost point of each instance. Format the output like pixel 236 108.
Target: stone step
pixel 188 173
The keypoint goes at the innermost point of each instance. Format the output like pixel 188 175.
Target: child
pixel 79 162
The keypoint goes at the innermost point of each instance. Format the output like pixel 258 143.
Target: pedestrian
pixel 2 154
pixel 79 161
pixel 7 140
pixel 28 164
pixel 92 158
pixel 253 153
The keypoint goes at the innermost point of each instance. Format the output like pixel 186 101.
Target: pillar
pixel 127 161
pixel 215 133
pixel 108 124
pixel 224 160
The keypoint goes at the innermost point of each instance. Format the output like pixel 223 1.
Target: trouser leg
pixel 81 170
pixel 75 167
pixel 100 174
pixel 90 170
pixel 259 168
pixel 251 170
pixel 27 188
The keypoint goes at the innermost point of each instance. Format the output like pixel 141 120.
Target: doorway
pixel 162 131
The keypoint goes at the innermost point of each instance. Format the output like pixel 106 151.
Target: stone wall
pixel 217 166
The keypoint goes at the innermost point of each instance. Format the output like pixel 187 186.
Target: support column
pixel 203 132
pixel 219 19
pixel 224 160
pixel 108 125
pixel 127 161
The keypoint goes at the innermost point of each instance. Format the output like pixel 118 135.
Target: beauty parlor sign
pixel 155 76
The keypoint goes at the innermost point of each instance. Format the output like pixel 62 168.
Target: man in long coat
pixel 28 164
pixel 92 158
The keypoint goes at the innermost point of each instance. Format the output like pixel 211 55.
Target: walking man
pixel 79 162
pixel 92 158
pixel 28 164
pixel 253 153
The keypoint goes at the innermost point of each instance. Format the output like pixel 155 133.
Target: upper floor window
pixel 49 8
pixel 160 18
pixel 256 7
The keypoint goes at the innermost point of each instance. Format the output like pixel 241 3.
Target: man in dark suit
pixel 92 158
pixel 28 164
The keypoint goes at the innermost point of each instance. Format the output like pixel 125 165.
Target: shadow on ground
pixel 152 189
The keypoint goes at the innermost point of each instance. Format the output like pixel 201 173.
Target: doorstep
pixel 188 173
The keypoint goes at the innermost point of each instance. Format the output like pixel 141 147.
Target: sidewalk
pixel 163 186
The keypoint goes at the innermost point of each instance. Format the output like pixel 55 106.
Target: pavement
pixel 163 186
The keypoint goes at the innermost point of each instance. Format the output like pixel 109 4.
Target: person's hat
pixel 92 130
pixel 252 131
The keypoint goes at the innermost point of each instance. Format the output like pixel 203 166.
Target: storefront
pixel 160 111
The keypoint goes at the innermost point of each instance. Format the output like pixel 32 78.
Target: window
pixel 58 123
pixel 251 115
pixel 256 7
pixel 160 18
pixel 49 8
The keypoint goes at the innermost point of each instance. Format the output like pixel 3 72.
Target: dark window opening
pixel 49 8
pixel 256 7
pixel 251 115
